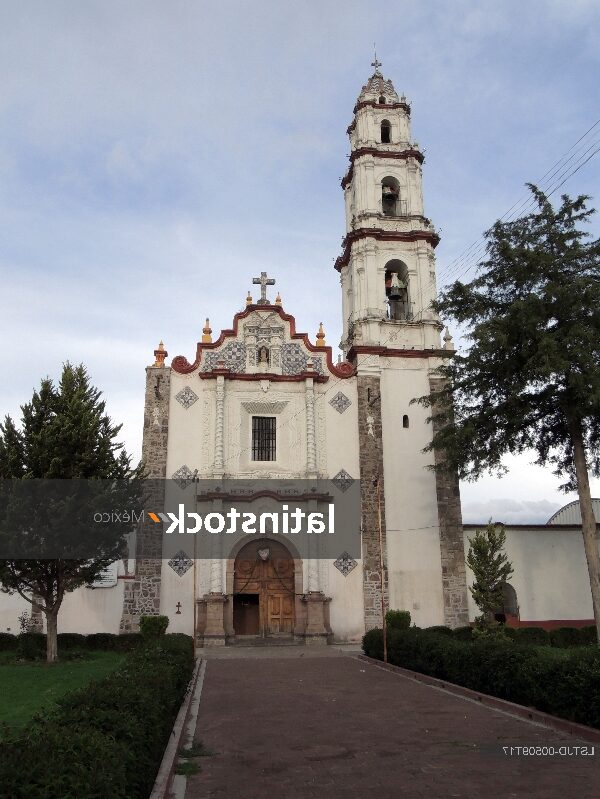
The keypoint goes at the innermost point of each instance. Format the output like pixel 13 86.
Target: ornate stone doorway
pixel 264 590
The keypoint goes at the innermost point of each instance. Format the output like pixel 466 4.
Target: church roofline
pixel 181 365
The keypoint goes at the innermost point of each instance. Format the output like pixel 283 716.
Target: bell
pixel 395 291
pixel 389 191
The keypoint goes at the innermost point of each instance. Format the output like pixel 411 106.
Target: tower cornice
pixel 382 235
pixel 375 152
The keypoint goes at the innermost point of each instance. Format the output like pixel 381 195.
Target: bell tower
pixel 411 525
pixel 387 266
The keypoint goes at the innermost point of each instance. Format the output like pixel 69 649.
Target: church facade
pixel 350 420
pixel 261 401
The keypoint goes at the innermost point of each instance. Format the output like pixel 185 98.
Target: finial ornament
pixel 321 336
pixel 375 63
pixel 448 343
pixel 159 355
pixel 278 299
pixel 249 299
pixel 206 333
pixel 263 281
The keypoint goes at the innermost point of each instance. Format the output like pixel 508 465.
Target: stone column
pixel 219 440
pixel 311 450
pixel 142 594
pixel 454 579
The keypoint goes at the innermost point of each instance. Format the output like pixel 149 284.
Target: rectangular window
pixel 263 438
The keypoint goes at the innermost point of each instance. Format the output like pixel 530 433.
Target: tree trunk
pixel 51 636
pixel 588 521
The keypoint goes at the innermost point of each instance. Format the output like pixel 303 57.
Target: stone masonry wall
pixel 454 580
pixel 371 469
pixel 142 595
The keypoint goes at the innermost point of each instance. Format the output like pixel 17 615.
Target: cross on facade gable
pixel 264 281
pixel 178 606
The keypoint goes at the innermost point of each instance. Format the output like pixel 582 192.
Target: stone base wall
pixel 142 595
pixel 454 579
pixel 371 473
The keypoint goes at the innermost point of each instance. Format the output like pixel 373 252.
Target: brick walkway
pixel 295 727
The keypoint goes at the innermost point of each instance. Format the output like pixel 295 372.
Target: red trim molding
pixel 549 624
pixel 263 376
pixel 382 106
pixel 403 155
pixel 181 365
pixel 382 235
pixel 391 352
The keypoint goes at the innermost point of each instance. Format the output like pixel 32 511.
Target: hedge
pixel 106 739
pixel 33 645
pixel 533 676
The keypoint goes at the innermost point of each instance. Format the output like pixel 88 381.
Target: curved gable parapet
pixel 269 336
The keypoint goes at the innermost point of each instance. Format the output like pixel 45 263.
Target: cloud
pixel 509 511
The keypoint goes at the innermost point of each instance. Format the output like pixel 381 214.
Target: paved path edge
pixel 521 711
pixel 164 777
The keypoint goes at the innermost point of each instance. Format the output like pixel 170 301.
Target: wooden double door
pixel 263 590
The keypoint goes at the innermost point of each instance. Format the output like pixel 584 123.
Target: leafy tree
pixel 530 376
pixel 59 468
pixel 488 562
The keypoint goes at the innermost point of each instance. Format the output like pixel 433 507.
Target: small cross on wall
pixel 178 611
pixel 263 281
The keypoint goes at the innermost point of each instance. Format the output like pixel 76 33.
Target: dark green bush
pixel 32 646
pixel 8 641
pixel 439 629
pixel 566 636
pixel 463 633
pixel 532 635
pixel 531 676
pixel 106 739
pixel 106 641
pixel 510 632
pixel 70 641
pixel 589 634
pixel 397 619
pixel 128 642
pixel 153 626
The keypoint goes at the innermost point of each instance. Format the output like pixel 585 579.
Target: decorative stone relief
pixel 294 360
pixel 180 563
pixel 186 397
pixel 340 402
pixel 343 480
pixel 183 476
pixel 345 564
pixel 233 356
pixel 264 407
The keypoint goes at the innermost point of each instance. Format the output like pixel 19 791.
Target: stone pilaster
pixel 317 629
pixel 371 471
pixel 142 595
pixel 454 579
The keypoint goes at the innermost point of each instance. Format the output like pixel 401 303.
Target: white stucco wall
pixel 410 494
pixel 550 573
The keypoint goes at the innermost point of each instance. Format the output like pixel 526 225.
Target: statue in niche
pixel 263 356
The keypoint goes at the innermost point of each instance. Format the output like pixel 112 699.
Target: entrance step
pixel 258 641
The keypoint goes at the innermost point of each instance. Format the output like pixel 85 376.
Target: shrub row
pixel 532 676
pixel 68 641
pixel 561 637
pixel 106 739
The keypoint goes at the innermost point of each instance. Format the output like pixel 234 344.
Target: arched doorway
pixel 264 590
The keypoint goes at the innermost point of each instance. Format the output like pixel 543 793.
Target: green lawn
pixel 26 688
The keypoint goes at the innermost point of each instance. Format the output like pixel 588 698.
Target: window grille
pixel 263 438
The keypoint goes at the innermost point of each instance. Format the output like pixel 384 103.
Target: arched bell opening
pixel 397 290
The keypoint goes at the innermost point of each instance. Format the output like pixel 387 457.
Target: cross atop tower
pixel 264 281
pixel 375 63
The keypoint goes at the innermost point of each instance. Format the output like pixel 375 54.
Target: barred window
pixel 263 438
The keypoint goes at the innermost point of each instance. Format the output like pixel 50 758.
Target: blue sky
pixel 155 156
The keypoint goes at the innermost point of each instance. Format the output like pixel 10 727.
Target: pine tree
pixel 60 467
pixel 488 562
pixel 530 376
